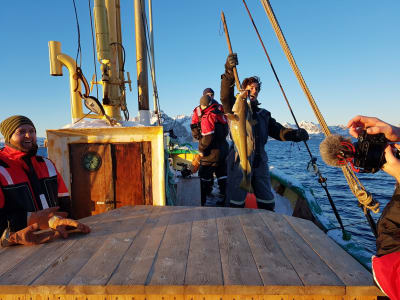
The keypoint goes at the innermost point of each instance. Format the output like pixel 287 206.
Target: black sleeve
pixel 205 144
pixel 388 240
pixel 196 132
pixel 276 130
pixel 227 91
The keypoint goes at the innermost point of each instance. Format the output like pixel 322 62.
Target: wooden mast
pixel 141 63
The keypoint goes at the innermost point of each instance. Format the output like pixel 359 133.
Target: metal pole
pixel 153 69
pixel 141 63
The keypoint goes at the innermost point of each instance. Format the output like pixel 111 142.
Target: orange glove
pixel 28 237
pixel 42 217
pixel 195 163
pixel 63 226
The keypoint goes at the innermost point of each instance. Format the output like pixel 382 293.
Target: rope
pixel 321 179
pixel 352 180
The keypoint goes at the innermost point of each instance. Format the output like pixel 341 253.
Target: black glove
pixel 301 135
pixel 231 62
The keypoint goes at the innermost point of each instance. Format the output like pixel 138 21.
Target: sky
pixel 347 50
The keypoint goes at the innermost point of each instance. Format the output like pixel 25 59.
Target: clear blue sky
pixel 347 50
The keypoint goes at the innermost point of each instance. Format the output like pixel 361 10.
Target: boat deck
pixel 149 252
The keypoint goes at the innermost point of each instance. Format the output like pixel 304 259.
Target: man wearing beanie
pixel 209 127
pixel 32 190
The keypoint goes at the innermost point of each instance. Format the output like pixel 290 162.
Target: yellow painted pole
pixel 57 60
pixel 141 63
pixel 112 109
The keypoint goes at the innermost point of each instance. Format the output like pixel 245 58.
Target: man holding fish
pixel 250 127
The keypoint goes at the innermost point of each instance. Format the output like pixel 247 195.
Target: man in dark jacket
pixel 386 263
pixel 263 126
pixel 209 127
pixel 31 189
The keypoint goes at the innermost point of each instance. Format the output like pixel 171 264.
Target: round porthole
pixel 91 161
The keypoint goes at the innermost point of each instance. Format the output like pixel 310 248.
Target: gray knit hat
pixel 9 125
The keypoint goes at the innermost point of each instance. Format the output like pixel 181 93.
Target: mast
pixel 141 63
pixel 106 35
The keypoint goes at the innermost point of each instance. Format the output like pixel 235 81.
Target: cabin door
pixel 108 176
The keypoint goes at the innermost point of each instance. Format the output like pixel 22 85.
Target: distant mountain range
pixel 181 127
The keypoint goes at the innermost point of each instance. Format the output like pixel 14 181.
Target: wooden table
pixel 194 253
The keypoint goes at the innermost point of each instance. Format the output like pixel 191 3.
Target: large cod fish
pixel 242 135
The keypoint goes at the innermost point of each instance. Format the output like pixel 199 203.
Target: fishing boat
pixel 118 173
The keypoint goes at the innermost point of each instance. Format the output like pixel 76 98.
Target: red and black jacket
pixel 28 184
pixel 210 127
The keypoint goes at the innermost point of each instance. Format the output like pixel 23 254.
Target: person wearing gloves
pixel 31 189
pixel 263 125
pixel 386 262
pixel 209 127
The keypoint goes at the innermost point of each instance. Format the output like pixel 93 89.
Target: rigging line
pixel 276 75
pixel 155 90
pixel 79 50
pixel 94 49
pixel 321 179
pixel 355 186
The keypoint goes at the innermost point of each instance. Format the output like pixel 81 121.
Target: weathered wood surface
pixel 188 192
pixel 183 251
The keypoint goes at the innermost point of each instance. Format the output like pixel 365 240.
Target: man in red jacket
pixel 32 190
pixel 209 126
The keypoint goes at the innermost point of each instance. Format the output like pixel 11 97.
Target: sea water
pixel 292 159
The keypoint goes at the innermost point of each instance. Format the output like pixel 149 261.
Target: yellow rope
pixel 355 185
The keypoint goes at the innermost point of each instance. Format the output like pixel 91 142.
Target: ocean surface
pixel 292 159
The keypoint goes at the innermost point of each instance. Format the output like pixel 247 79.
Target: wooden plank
pixel 188 192
pixel 64 269
pixel 204 260
pixel 272 264
pixel 100 267
pixel 238 264
pixel 11 257
pixel 136 264
pixel 346 268
pixel 308 265
pixel 129 175
pixel 170 264
pixel 147 169
pixel 26 271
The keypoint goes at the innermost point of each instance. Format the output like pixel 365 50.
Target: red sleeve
pixel 195 117
pixel 62 188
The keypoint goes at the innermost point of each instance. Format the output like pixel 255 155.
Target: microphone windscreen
pixel 331 147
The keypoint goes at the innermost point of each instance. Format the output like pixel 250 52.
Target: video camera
pixel 367 155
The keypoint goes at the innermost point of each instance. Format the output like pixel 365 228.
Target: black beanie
pixel 208 90
pixel 205 100
pixel 9 125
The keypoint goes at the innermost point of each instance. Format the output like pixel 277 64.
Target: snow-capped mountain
pixel 180 125
pixel 315 129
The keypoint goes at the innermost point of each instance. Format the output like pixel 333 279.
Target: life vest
pixel 24 191
pixel 208 118
pixel 203 125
